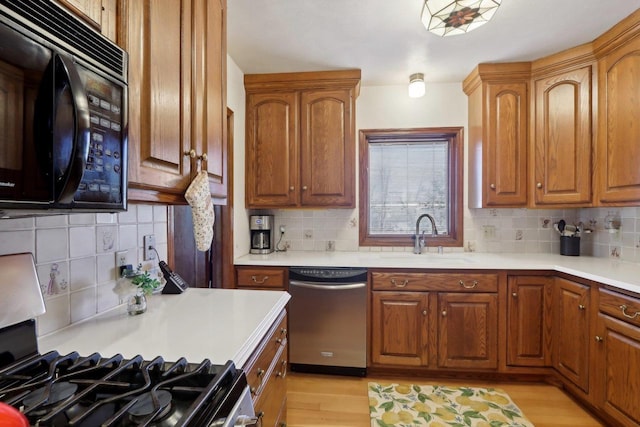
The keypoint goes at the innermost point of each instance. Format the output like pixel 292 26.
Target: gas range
pixel 54 389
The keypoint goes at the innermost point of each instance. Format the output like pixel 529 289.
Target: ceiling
pixel 387 41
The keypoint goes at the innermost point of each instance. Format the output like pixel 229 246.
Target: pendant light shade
pixel 448 18
pixel 416 85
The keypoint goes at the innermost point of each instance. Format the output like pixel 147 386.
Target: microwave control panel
pixel 104 173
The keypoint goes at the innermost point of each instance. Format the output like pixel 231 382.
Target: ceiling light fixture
pixel 416 85
pixel 448 18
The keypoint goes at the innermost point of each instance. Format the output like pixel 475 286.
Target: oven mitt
pixel 199 198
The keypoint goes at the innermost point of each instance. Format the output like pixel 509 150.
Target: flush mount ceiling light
pixel 448 18
pixel 416 85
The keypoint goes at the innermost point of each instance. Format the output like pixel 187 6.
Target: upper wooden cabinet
pixel 300 139
pixel 561 130
pixel 177 96
pixel 100 14
pixel 618 139
pixel 498 134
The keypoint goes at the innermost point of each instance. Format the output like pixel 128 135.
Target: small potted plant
pixel 136 285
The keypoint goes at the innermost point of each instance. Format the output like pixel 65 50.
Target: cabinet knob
pixel 539 185
pixel 515 295
pixel 424 312
pixel 581 307
pixel 444 313
pixel 304 188
pixel 203 157
pixel 492 186
pixel 191 153
pixel 260 373
pixel 599 338
pixel 292 188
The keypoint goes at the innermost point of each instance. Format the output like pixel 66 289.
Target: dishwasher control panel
pixel 324 274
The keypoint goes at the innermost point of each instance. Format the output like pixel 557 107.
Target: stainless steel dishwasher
pixel 328 320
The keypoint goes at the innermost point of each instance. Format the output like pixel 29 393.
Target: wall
pixel 76 257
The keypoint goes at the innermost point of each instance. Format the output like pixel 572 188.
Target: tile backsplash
pixel 75 257
pixel 485 230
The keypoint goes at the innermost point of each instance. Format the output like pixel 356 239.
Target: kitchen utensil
pixel 561 225
pixel 555 227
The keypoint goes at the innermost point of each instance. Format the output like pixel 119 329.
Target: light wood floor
pixel 321 400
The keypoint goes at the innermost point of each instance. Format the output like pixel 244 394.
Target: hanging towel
pixel 199 198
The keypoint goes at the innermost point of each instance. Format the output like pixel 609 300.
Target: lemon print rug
pixel 407 405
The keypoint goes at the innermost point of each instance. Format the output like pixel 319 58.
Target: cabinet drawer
pixel 257 369
pixel 261 277
pixel 620 306
pixel 271 404
pixel 465 282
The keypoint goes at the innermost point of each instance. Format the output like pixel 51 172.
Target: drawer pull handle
pixel 404 283
pixel 599 339
pixel 283 372
pixel 253 390
pixel 581 307
pixel 279 340
pixel 464 285
pixel 259 282
pixel 260 373
pixel 625 314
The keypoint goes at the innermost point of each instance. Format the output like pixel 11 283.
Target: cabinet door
pixel 529 321
pixel 505 132
pixel 158 39
pixel 617 148
pixel 562 138
pixel 468 330
pixel 327 148
pixel 399 328
pixel 571 331
pixel 617 381
pixel 272 150
pixel 209 107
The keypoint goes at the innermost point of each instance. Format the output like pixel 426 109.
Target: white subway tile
pixel 106 270
pixel 13 224
pixel 51 221
pixel 82 241
pixel 128 236
pixel 145 213
pixel 57 315
pixel 82 273
pixel 83 304
pixel 130 216
pixel 52 244
pixel 82 219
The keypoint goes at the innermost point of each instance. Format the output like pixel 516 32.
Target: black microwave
pixel 63 112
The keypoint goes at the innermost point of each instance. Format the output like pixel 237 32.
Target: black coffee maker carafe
pixel 261 227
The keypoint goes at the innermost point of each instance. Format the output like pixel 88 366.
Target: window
pixel 405 173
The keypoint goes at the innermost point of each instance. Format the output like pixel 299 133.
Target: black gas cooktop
pixel 55 389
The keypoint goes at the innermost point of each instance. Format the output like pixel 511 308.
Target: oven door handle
pixel 327 287
pixel 67 184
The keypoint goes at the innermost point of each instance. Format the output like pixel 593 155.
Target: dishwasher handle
pixel 325 286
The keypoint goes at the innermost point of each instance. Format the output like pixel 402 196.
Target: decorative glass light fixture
pixel 451 17
pixel 416 85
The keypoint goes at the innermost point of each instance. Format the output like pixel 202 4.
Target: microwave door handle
pixel 81 132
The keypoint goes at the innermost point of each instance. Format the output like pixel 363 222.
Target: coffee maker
pixel 261 227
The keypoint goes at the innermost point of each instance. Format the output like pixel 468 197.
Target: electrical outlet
pixel 149 242
pixel 121 258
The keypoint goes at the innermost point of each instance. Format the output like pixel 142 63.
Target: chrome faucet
pixel 419 240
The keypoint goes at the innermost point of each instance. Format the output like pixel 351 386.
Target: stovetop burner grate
pixel 69 390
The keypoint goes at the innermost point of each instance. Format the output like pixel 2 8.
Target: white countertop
pixel 214 324
pixel 616 273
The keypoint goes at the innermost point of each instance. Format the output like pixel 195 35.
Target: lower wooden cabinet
pixel 571 331
pixel 434 320
pixel 399 329
pixel 468 330
pixel 616 371
pixel 529 320
pixel 266 373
